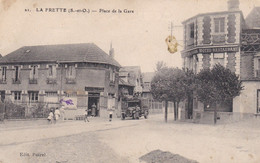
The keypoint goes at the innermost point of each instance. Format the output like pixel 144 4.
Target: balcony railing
pixel 218 39
pixel 51 80
pixel 16 81
pixel 33 81
pixel 70 81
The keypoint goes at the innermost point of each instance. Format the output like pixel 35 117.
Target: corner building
pixel 222 37
pixel 76 74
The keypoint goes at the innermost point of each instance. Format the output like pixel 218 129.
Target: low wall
pixel 71 114
pixel 223 117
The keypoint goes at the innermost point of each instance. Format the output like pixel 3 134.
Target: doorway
pixel 93 111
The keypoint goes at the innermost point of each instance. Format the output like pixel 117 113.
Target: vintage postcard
pixel 128 81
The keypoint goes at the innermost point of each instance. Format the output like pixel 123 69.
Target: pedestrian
pixel 50 117
pixel 93 110
pixel 110 115
pixel 62 112
pixel 86 115
pixel 57 114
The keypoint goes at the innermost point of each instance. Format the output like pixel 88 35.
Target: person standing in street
pixel 50 117
pixel 57 114
pixel 93 110
pixel 62 112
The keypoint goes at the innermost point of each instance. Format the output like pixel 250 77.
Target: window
pixel 219 58
pixel 3 73
pixel 51 94
pixel 17 96
pixel 112 76
pixel 70 72
pixel 192 30
pixel 219 25
pixel 16 73
pixel 70 94
pixel 50 70
pixel 33 96
pixel 34 72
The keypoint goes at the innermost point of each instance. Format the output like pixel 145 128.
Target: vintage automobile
pixel 134 108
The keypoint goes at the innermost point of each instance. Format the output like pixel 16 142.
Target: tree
pixel 168 85
pixel 160 65
pixel 190 86
pixel 217 85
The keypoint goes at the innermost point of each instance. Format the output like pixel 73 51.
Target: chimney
pixel 233 5
pixel 111 51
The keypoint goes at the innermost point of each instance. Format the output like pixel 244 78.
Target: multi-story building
pixel 77 75
pixel 212 38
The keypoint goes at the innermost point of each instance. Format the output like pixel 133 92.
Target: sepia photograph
pixel 130 81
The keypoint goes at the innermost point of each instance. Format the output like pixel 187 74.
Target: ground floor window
pixel 17 95
pixel 258 101
pixel 33 96
pixel 51 97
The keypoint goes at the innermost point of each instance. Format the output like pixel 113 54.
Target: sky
pixel 138 37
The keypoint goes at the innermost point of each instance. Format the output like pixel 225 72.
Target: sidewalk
pixel 16 124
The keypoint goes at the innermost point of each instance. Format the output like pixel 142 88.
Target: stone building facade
pixel 222 37
pixel 76 75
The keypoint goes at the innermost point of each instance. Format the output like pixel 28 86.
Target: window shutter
pixel 31 72
pixel 2 73
pixel 54 71
pixel 36 71
pixel 222 25
pixel 73 72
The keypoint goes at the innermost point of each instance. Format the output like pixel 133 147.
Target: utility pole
pixel 61 74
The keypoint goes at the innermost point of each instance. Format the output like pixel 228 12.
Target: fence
pixel 22 110
pixel 159 107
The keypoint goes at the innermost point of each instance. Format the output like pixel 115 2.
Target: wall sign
pixel 94 89
pixel 213 50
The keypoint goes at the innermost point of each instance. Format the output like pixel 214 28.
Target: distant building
pixel 253 19
pixel 76 75
pixel 147 79
pixel 232 41
pixel 131 80
pixel 154 105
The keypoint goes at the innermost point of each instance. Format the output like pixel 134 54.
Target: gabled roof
pixel 136 69
pixel 84 52
pixel 253 19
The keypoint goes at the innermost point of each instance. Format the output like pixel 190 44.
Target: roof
pixel 122 82
pixel 253 18
pixel 84 52
pixel 148 76
pixel 136 69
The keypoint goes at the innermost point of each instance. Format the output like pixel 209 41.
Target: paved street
pixel 126 141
